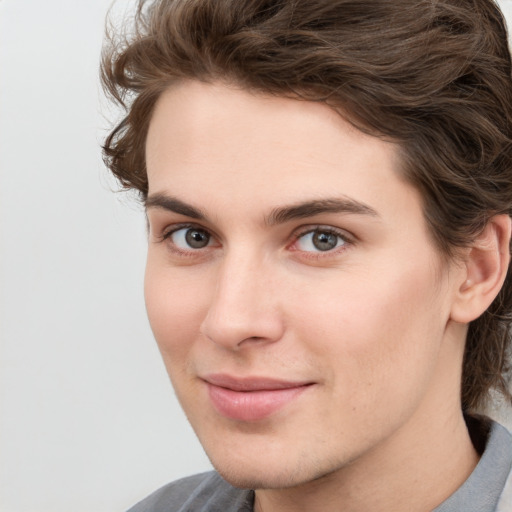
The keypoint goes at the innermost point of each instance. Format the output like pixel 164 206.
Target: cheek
pixel 175 308
pixel 381 333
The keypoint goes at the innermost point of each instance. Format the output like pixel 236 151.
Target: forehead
pixel 223 146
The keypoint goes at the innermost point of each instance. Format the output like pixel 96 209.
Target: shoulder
pixel 198 493
pixel 486 488
pixel 505 503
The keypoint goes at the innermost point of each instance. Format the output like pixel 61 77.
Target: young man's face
pixel 300 306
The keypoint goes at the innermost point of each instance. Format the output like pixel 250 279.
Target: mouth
pixel 251 398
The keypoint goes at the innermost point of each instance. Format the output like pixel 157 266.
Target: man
pixel 328 186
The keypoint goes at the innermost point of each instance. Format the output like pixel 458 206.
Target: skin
pixel 376 324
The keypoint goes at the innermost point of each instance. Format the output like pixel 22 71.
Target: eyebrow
pixel 175 205
pixel 318 207
pixel 278 215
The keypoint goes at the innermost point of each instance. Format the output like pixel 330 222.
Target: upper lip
pixel 251 383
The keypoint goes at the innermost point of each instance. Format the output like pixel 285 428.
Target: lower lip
pixel 251 405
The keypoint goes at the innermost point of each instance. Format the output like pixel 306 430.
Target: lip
pixel 251 398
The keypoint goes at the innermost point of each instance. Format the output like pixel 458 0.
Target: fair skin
pixel 312 331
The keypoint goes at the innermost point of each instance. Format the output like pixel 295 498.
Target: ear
pixel 484 270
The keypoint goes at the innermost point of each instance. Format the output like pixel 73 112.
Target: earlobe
pixel 485 266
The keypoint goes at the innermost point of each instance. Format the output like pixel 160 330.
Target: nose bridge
pixel 243 306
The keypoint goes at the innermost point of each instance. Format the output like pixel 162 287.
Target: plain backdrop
pixel 89 422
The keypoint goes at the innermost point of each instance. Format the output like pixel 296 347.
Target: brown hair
pixel 432 75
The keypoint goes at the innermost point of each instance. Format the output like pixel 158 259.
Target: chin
pixel 266 474
pixel 248 478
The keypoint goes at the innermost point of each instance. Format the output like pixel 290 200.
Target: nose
pixel 244 309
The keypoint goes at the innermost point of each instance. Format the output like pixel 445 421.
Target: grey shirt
pixel 488 488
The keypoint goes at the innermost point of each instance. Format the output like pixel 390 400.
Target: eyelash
pixel 347 240
pixel 167 234
pixel 330 230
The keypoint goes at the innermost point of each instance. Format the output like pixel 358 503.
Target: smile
pixel 251 399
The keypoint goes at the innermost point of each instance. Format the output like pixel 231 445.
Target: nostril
pixel 234 333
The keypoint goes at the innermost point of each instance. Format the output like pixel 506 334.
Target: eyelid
pixel 311 228
pixel 164 236
pixel 346 236
pixel 167 232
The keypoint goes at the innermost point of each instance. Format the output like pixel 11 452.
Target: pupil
pixel 197 239
pixel 324 241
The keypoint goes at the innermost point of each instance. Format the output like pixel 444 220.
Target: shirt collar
pixel 482 490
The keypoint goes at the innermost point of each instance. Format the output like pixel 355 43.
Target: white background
pixel 88 419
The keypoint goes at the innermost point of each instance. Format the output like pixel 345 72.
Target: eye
pixel 320 240
pixel 190 238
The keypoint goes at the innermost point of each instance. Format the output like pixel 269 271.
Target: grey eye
pixel 191 238
pixel 319 240
pixel 325 241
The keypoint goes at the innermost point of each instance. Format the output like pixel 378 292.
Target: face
pixel 293 289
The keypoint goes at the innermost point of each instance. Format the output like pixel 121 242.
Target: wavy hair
pixel 434 76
